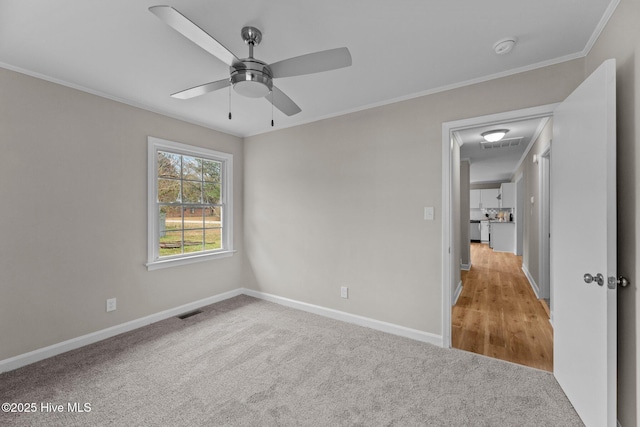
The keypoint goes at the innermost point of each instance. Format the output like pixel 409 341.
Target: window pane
pixel 211 170
pixel 211 193
pixel 168 165
pixel 213 238
pixel 191 192
pixel 168 190
pixel 171 243
pixel 189 186
pixel 191 168
pixel 193 217
pixel 212 217
pixel 193 241
pixel 172 217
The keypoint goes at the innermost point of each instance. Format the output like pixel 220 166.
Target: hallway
pixel 497 313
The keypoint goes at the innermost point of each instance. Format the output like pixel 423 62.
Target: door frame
pixel 520 214
pixel 544 257
pixel 451 248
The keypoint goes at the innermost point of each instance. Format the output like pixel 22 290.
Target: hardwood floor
pixel 497 313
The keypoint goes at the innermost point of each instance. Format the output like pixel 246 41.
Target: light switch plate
pixel 428 213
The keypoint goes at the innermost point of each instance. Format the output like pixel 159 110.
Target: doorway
pixel 584 133
pixel 450 216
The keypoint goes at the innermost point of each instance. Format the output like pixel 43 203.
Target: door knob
pixel 621 281
pixel 598 278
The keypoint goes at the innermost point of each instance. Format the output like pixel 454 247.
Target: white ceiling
pixel 497 162
pixel 400 49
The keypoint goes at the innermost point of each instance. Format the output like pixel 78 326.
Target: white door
pixel 583 240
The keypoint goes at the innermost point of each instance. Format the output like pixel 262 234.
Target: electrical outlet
pixel 111 304
pixel 344 292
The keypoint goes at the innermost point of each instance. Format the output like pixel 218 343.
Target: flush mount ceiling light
pixel 494 135
pixel 504 46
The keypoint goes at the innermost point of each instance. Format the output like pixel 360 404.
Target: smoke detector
pixel 504 46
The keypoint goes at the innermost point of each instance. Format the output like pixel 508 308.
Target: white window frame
pixel 153 236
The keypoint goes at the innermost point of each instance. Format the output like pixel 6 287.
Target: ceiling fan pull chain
pixel 272 108
pixel 229 102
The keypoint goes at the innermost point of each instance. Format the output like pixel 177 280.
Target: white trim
pixel 594 37
pixel 457 293
pixel 600 27
pixel 447 129
pixel 439 89
pixel 81 341
pixel 544 256
pixel 533 140
pixel 157 265
pixel 154 145
pixel 465 267
pixel 534 285
pixel 105 95
pixel 367 322
pixel 447 232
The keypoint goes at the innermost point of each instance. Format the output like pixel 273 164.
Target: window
pixel 190 204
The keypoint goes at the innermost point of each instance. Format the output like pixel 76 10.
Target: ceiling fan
pixel 250 76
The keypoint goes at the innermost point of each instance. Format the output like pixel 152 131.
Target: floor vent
pixel 189 314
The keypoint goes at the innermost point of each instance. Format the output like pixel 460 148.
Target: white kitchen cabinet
pixel 484 199
pixel 484 231
pixel 489 198
pixel 474 231
pixel 503 236
pixel 508 195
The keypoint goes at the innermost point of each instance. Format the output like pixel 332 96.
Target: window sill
pixel 156 265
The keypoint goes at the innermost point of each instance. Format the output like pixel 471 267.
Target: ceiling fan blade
pixel 282 102
pixel 201 89
pixel 187 28
pixel 312 63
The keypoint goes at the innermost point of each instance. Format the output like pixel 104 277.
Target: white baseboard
pixel 74 343
pixel 350 318
pixel 457 293
pixel 534 285
pixel 64 346
pixel 465 267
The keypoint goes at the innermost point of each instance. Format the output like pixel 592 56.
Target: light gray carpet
pixel 247 362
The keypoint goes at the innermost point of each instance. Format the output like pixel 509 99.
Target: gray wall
pixel 456 217
pixel 328 204
pixel 531 175
pixel 621 40
pixel 339 202
pixel 465 250
pixel 73 180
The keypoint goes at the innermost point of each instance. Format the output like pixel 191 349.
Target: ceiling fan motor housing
pixel 252 78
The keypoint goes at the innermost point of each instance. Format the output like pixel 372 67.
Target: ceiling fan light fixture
pixel 494 135
pixel 251 85
pixel 250 77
